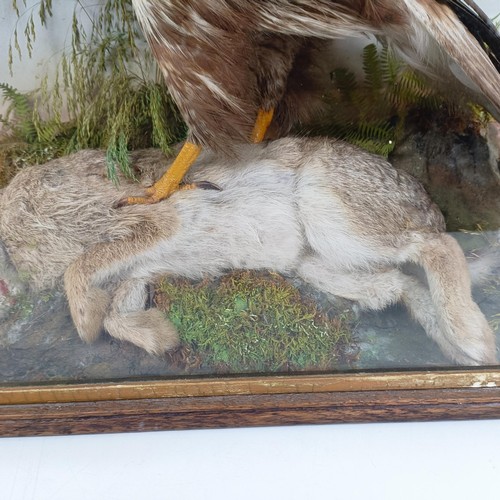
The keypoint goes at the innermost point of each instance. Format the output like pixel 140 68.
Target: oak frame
pixel 197 403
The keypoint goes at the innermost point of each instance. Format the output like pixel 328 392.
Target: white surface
pixel 453 460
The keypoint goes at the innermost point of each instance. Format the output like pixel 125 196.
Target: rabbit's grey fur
pixel 341 219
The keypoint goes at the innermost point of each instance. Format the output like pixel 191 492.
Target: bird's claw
pixel 207 185
pixel 149 198
pixel 152 197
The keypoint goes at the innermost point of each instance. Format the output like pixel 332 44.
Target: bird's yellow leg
pixel 262 123
pixel 171 179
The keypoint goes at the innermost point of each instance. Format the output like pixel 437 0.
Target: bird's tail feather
pixel 446 38
pixel 464 40
pixel 480 26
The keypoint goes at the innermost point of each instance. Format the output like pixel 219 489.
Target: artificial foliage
pixel 373 113
pixel 106 92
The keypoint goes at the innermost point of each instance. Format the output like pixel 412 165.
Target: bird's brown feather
pixel 223 60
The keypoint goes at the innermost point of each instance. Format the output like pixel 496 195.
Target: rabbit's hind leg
pixel 370 289
pixel 127 320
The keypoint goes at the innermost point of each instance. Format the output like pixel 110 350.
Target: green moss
pixel 255 322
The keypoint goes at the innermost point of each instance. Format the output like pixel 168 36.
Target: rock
pixel 12 288
pixel 461 172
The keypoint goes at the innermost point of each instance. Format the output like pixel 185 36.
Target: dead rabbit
pixel 341 219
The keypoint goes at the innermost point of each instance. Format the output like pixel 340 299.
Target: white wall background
pixel 450 460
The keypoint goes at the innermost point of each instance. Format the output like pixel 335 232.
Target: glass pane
pixel 348 240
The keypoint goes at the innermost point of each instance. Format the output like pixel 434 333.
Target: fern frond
pixel 372 67
pixel 410 89
pixel 108 89
pixel 390 66
pixel 20 106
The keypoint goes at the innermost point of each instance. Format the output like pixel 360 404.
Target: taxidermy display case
pixel 340 265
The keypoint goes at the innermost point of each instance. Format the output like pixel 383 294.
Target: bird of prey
pixel 232 66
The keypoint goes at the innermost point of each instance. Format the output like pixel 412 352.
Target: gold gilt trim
pixel 223 386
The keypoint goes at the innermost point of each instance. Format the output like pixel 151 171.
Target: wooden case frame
pixel 195 403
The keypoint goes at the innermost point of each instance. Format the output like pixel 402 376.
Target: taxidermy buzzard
pixel 235 66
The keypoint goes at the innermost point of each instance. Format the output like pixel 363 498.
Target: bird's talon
pixel 120 203
pixel 151 196
pixel 135 200
pixel 206 185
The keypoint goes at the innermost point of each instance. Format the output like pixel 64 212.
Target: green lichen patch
pixel 253 322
